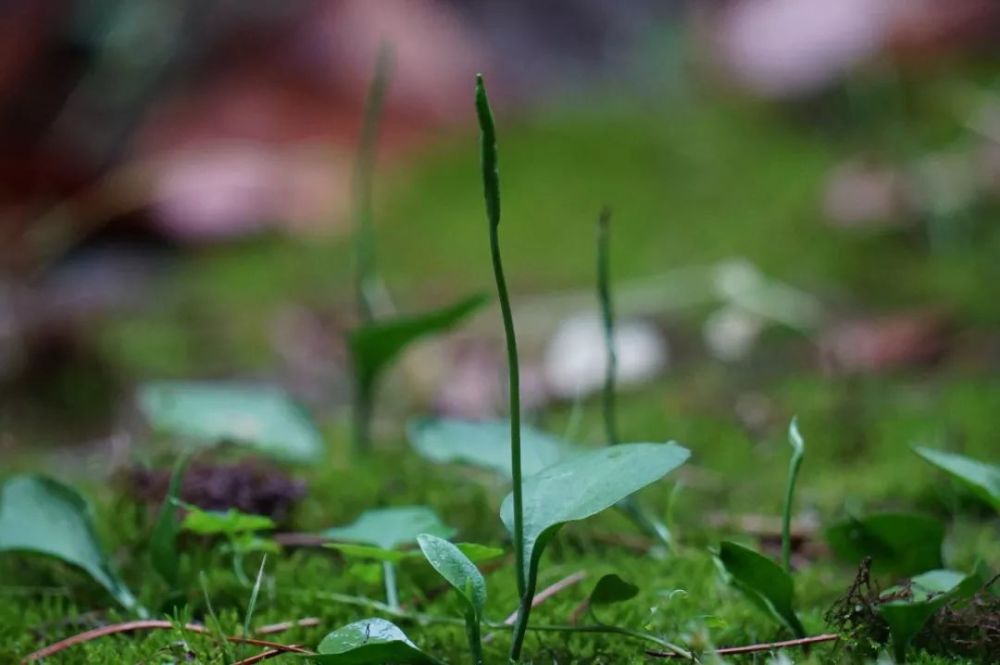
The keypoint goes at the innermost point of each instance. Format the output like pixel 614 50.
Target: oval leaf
pixel 374 345
pixel 981 478
pixel 370 552
pixel 370 642
pixel 485 444
pixel 612 589
pixel 230 522
pixel 453 566
pixel 931 591
pixel 262 418
pixel 583 486
pixel 899 543
pixel 763 582
pixel 389 528
pixel 43 516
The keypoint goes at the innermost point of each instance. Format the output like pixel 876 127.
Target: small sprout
pixel 798 451
pixel 163 539
pixel 463 575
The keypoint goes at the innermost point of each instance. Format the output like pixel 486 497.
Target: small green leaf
pixel 472 551
pixel 477 553
pixel 456 568
pixel 230 522
pixel 370 642
pixel 583 486
pixel 374 345
pixel 370 552
pixel 899 543
pixel 43 516
pixel 931 591
pixel 389 528
pixel 261 418
pixel 981 478
pixel 612 589
pixel 486 444
pixel 463 575
pixel 763 582
pixel 163 539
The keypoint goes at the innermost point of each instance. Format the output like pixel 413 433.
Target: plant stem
pixel 420 617
pixel 608 317
pixel 798 450
pixel 491 194
pixel 362 415
pixel 391 593
pixel 364 234
pixel 631 508
pixel 472 631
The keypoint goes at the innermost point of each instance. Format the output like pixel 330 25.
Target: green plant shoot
pixel 491 194
pixel 798 451
pixel 367 283
pixel 608 318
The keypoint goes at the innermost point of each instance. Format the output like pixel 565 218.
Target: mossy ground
pixel 689 183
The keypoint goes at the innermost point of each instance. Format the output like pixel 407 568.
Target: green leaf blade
pixel 163 553
pixel 229 523
pixel 374 345
pixel 456 568
pixel 585 485
pixel 903 544
pixel 261 418
pixel 612 589
pixel 42 516
pixel 485 444
pixel 981 478
pixel 370 642
pixel 931 591
pixel 390 528
pixel 763 582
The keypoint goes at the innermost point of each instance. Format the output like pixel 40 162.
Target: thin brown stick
pixel 550 591
pixel 755 648
pixel 147 624
pixel 271 629
pixel 263 655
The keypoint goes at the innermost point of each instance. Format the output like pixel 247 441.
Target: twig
pixel 264 655
pixel 146 624
pixel 755 648
pixel 271 629
pixel 548 592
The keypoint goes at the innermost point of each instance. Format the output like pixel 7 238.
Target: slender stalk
pixel 367 284
pixel 629 506
pixel 472 631
pixel 798 450
pixel 491 194
pixel 608 317
pixel 364 234
pixel 423 618
pixel 389 577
